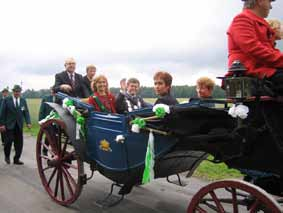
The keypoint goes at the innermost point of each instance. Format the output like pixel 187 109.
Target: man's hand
pixel 66 87
pixel 29 126
pixel 2 128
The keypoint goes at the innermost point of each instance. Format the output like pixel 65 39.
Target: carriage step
pixel 111 200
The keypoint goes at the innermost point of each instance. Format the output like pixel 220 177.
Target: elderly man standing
pixel 13 111
pixel 87 79
pixel 70 82
pixel 251 41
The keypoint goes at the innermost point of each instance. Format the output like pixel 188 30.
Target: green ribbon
pixel 160 112
pixel 148 173
pixel 69 103
pixel 52 115
pixel 140 122
pixel 100 105
pixel 80 120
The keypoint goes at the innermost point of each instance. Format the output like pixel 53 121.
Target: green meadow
pixel 206 170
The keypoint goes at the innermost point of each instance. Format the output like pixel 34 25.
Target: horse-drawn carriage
pixel 252 143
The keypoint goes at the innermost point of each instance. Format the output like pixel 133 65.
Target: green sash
pixel 100 105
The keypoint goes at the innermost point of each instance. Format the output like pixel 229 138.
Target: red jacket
pixel 107 101
pixel 251 40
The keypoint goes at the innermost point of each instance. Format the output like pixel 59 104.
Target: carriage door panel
pixel 101 144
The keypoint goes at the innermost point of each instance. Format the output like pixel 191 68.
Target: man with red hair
pixel 162 87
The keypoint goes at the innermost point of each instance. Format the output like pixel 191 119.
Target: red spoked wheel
pixel 59 167
pixel 232 196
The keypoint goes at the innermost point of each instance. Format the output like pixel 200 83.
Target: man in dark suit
pixel 13 111
pixel 87 79
pixel 130 100
pixel 70 82
pixel 5 93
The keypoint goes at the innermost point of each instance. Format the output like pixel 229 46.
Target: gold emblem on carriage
pixel 105 146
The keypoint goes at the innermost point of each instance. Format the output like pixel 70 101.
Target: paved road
pixel 21 191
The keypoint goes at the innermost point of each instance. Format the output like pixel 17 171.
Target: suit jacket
pixel 45 109
pixel 63 78
pixel 251 40
pixel 10 116
pixel 125 103
pixel 1 100
pixel 86 84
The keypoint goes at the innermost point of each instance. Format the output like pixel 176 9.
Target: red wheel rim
pixel 240 196
pixel 60 168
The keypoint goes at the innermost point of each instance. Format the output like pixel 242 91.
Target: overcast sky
pixel 123 38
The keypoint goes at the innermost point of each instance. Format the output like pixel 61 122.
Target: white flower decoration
pixel 232 111
pixel 135 128
pixel 120 139
pixel 240 111
pixel 166 107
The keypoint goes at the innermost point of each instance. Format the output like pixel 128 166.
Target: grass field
pixel 206 170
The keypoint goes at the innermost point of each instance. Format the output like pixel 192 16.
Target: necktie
pixel 17 104
pixel 72 80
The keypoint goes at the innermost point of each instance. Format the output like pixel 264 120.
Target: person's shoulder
pixel 245 16
pixel 23 100
pixel 78 75
pixel 47 97
pixel 61 73
pixel 168 100
pixel 120 95
pixel 85 79
pixel 8 98
pixel 111 96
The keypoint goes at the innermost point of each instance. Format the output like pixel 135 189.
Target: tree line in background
pixel 146 92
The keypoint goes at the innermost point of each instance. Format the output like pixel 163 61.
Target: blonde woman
pixel 102 99
pixel 205 87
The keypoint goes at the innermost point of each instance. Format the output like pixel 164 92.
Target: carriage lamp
pixel 238 86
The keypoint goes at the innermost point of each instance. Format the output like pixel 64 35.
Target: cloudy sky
pixel 125 38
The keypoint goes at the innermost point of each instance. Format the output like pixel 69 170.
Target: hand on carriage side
pixel 65 87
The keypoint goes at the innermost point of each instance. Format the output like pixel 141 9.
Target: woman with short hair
pixel 162 88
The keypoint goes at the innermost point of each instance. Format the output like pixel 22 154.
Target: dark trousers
pixel 277 81
pixel 14 135
pixel 3 137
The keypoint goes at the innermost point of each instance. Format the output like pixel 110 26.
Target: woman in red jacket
pixel 102 99
pixel 251 41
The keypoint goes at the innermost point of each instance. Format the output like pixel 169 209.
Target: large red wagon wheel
pixel 59 166
pixel 232 196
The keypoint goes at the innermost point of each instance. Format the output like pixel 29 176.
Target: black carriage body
pixel 256 144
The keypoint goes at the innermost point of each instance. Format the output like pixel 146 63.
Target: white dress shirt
pixel 16 99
